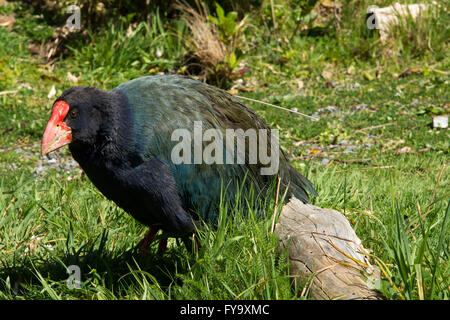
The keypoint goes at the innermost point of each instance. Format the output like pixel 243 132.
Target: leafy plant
pixel 226 23
pixel 216 43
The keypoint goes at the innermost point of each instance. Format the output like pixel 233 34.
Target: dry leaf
pixel 393 143
pixel 72 78
pixel 330 3
pixel 403 150
pixel 52 92
pixel 314 151
pixel 7 21
pixel 409 72
pixel 327 75
pixel 49 77
pixel 249 89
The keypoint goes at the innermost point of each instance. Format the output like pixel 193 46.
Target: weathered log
pixel 325 253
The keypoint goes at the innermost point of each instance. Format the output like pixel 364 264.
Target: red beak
pixel 57 133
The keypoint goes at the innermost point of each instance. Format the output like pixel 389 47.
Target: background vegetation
pixel 373 154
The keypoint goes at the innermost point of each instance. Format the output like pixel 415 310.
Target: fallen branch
pixel 375 127
pixel 32 144
pixel 8 92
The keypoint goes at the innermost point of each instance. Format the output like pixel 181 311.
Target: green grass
pixel 138 49
pixel 393 187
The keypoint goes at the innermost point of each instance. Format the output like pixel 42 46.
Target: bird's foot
pixel 148 239
pixel 162 247
pixel 145 243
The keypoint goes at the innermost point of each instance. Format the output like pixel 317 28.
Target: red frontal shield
pixel 57 133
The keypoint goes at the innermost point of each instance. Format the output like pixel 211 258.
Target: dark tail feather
pixel 300 186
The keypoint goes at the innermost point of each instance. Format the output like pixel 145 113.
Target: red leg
pixel 162 245
pixel 145 243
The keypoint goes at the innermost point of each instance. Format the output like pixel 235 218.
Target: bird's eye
pixel 73 114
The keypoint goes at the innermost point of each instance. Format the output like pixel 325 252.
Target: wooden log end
pixel 325 253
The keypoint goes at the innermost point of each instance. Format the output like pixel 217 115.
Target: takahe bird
pixel 123 141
